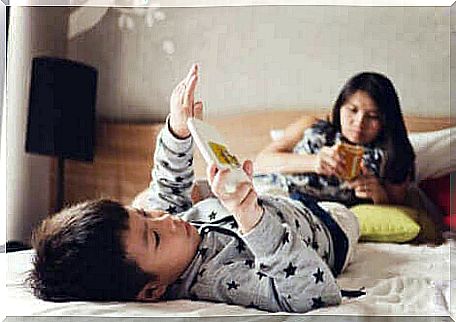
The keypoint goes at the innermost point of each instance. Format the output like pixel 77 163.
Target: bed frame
pixel 123 153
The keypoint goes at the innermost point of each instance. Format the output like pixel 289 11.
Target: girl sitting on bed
pixel 367 113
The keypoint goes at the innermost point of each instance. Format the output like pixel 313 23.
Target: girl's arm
pixel 369 186
pixel 278 155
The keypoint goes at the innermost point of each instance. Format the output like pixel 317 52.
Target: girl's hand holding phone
pixel 330 161
pixel 368 186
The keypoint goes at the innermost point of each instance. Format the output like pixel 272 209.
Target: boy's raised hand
pixel 243 202
pixel 182 105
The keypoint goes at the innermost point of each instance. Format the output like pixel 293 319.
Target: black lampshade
pixel 61 118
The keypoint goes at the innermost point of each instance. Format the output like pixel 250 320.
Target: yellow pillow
pixel 385 223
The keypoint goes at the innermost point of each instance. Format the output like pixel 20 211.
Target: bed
pixel 399 279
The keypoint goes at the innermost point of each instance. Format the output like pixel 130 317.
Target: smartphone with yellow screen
pixel 214 149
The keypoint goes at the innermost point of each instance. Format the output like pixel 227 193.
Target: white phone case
pixel 214 149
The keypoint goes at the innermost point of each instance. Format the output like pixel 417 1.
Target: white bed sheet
pixel 399 280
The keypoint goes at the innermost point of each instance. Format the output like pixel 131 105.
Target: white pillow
pixel 277 134
pixel 434 157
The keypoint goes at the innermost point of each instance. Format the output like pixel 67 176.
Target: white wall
pixel 33 31
pixel 275 57
pixel 250 58
pixel 2 108
pixel 2 57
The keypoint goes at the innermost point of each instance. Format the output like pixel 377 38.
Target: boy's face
pixel 160 243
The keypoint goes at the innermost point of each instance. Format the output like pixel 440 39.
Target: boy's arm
pixel 296 277
pixel 300 279
pixel 172 173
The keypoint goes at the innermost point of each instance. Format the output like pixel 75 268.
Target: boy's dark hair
pixel 393 136
pixel 80 255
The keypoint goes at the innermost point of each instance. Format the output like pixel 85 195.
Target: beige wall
pixel 277 57
pixel 33 31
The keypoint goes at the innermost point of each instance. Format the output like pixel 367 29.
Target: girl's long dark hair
pixel 393 136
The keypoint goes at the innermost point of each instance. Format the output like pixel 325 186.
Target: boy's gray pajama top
pixel 283 264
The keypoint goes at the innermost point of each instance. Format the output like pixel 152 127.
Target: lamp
pixel 61 116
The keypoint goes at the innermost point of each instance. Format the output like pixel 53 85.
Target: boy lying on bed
pixel 272 253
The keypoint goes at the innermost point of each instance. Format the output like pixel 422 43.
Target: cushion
pixel 450 221
pixel 438 190
pixel 385 223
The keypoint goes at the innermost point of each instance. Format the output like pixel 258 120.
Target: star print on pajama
pixel 250 263
pixel 212 215
pixel 318 276
pixel 261 275
pixel 290 270
pixel 232 285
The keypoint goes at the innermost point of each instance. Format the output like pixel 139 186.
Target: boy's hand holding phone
pixel 230 181
pixel 214 149
pixel 243 201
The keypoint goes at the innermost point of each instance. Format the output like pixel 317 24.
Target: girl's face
pixel 360 119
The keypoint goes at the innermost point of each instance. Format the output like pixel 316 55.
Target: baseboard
pixel 14 246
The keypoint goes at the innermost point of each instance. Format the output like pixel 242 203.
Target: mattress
pixel 398 279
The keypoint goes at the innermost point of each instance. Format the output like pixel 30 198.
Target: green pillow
pixel 386 223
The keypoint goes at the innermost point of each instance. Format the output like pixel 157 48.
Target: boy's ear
pixel 151 292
